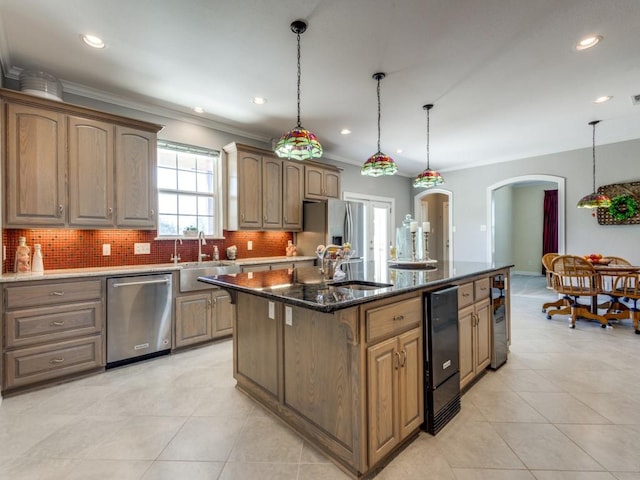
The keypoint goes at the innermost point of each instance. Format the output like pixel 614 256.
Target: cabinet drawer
pixel 465 295
pixel 25 366
pixel 393 318
pixel 37 325
pixel 52 293
pixel 481 288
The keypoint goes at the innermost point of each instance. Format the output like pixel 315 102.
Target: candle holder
pixel 426 245
pixel 413 246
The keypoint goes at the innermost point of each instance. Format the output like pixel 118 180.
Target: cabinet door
pixel 483 334
pixel 223 314
pixel 257 351
pixel 466 322
pixel 292 195
pixel 36 167
pixel 193 319
pixel 135 173
pixel 331 184
pixel 250 190
pixel 90 172
pixel 313 182
pixel 383 363
pixel 410 382
pixel 272 192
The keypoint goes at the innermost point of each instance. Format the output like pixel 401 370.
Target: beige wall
pixel 617 162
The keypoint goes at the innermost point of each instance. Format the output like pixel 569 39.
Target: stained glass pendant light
pixel 428 178
pixel 595 199
pixel 379 163
pixel 298 143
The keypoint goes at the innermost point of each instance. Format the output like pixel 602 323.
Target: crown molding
pixel 154 109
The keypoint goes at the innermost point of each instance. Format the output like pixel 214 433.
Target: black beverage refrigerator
pixel 442 370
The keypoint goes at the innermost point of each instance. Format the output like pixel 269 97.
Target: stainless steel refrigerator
pixel 332 221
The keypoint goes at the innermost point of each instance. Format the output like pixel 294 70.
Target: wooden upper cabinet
pixel 135 168
pixel 292 195
pixel 321 182
pixel 263 192
pixel 35 163
pixel 90 172
pixel 271 192
pixel 250 190
pixel 67 165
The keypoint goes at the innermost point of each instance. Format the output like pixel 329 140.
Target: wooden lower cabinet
pixel 474 334
pixel 395 392
pixel 32 365
pixel 51 329
pixel 203 316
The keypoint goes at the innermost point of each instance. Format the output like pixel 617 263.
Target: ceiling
pixel 504 75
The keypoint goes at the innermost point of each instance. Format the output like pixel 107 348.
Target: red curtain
pixel 550 223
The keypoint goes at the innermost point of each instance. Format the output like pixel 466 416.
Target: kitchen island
pixel 341 362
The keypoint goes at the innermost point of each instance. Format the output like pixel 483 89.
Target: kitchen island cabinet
pixel 341 364
pixel 474 329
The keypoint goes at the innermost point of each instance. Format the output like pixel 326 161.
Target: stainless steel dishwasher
pixel 138 317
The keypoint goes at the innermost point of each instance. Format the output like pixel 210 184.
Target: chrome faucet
pixel 322 256
pixel 175 258
pixel 201 242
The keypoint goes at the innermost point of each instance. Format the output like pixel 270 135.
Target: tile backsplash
pixel 68 248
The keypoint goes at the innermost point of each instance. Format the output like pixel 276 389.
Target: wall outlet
pixel 141 248
pixel 106 249
pixel 483 228
pixel 249 245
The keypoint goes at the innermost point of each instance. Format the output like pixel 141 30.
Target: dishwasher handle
pixel 143 282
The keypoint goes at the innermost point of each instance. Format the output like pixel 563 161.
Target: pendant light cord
pixel 299 75
pixel 428 138
pixel 378 78
pixel 593 150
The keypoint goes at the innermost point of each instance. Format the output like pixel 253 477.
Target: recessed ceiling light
pixel 399 150
pixel 93 41
pixel 259 100
pixel 604 99
pixel 345 131
pixel 198 109
pixel 588 42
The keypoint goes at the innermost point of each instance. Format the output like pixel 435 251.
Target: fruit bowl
pixel 597 259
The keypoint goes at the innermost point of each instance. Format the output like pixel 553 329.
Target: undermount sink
pixel 359 285
pixel 190 272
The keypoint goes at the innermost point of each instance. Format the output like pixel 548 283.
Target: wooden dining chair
pixel 627 285
pixel 614 307
pixel 562 305
pixel 575 277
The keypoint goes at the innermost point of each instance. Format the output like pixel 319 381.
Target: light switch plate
pixel 249 245
pixel 106 249
pixel 272 310
pixel 141 248
pixel 288 316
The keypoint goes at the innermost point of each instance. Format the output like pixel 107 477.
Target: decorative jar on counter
pixel 23 256
pixel 37 265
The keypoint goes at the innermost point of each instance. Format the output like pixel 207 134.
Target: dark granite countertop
pixel 305 287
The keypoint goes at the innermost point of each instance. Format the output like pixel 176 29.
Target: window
pixel 188 190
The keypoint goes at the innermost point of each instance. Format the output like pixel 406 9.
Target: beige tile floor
pixel 566 406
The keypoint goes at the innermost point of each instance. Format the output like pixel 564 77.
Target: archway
pixel 525 179
pixel 417 208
